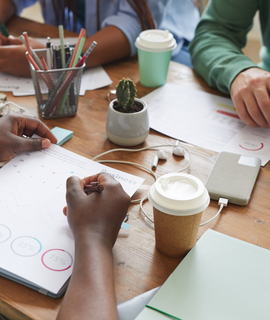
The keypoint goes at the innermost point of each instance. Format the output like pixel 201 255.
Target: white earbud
pixel 178 151
pixel 162 155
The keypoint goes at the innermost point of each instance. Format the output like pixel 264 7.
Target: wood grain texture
pixel 138 266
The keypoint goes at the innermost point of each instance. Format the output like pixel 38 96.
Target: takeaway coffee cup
pixel 154 55
pixel 178 201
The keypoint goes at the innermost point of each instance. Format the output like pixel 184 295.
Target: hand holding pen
pixel 98 213
pixel 94 186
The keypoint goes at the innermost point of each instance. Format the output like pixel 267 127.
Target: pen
pixel 55 98
pixel 63 54
pixel 57 86
pixel 36 67
pixel 45 67
pixel 87 53
pixel 67 51
pixel 78 53
pixel 82 32
pixel 26 40
pixel 35 56
pixel 48 53
pixel 93 187
pixel 57 55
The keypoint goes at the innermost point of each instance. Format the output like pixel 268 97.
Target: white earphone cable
pixel 140 165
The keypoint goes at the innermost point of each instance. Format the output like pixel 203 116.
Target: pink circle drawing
pixel 57 260
pixel 251 145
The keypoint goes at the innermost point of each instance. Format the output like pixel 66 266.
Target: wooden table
pixel 138 266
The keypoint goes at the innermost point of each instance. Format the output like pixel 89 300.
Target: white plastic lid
pixel 155 40
pixel 179 194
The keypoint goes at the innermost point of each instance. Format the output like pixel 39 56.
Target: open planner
pixel 221 278
pixel 36 244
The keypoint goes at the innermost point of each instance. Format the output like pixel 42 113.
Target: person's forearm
pixel 7 10
pixel 112 44
pixel 216 57
pixel 90 293
pixel 220 36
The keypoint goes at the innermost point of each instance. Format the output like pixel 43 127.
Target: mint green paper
pixel 221 278
pixel 153 67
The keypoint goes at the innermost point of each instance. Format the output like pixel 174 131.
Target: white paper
pixel 18 93
pixel 220 278
pixel 94 78
pixel 11 83
pixel 32 197
pixel 205 120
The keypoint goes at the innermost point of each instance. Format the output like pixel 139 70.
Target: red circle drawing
pixel 56 260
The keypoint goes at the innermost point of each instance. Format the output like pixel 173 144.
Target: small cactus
pixel 125 93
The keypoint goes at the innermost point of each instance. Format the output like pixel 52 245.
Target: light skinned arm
pixel 112 44
pixel 217 56
pixel 95 220
pixel 12 142
pixel 219 37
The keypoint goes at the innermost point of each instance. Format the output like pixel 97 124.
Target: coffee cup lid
pixel 155 40
pixel 179 194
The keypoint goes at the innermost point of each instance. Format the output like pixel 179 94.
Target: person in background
pixel 114 25
pixel 94 219
pixel 217 56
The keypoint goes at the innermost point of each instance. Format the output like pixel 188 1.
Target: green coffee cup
pixel 154 55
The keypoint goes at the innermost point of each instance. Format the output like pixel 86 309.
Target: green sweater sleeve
pixel 220 36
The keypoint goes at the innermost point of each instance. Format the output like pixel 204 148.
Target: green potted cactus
pixel 127 119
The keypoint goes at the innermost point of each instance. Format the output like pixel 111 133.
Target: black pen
pixel 67 51
pixel 48 53
pixel 57 56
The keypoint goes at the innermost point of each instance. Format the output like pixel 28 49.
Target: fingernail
pixel 46 143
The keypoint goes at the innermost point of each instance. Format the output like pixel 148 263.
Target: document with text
pixel 36 244
pixel 205 120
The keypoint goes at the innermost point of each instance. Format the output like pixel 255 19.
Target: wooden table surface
pixel 138 266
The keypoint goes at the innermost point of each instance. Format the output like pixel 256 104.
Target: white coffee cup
pixel 178 201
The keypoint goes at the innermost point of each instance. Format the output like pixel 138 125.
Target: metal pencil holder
pixel 57 90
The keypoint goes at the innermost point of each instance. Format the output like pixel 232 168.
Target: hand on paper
pixel 250 94
pixel 96 215
pixel 12 55
pixel 95 220
pixel 12 142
